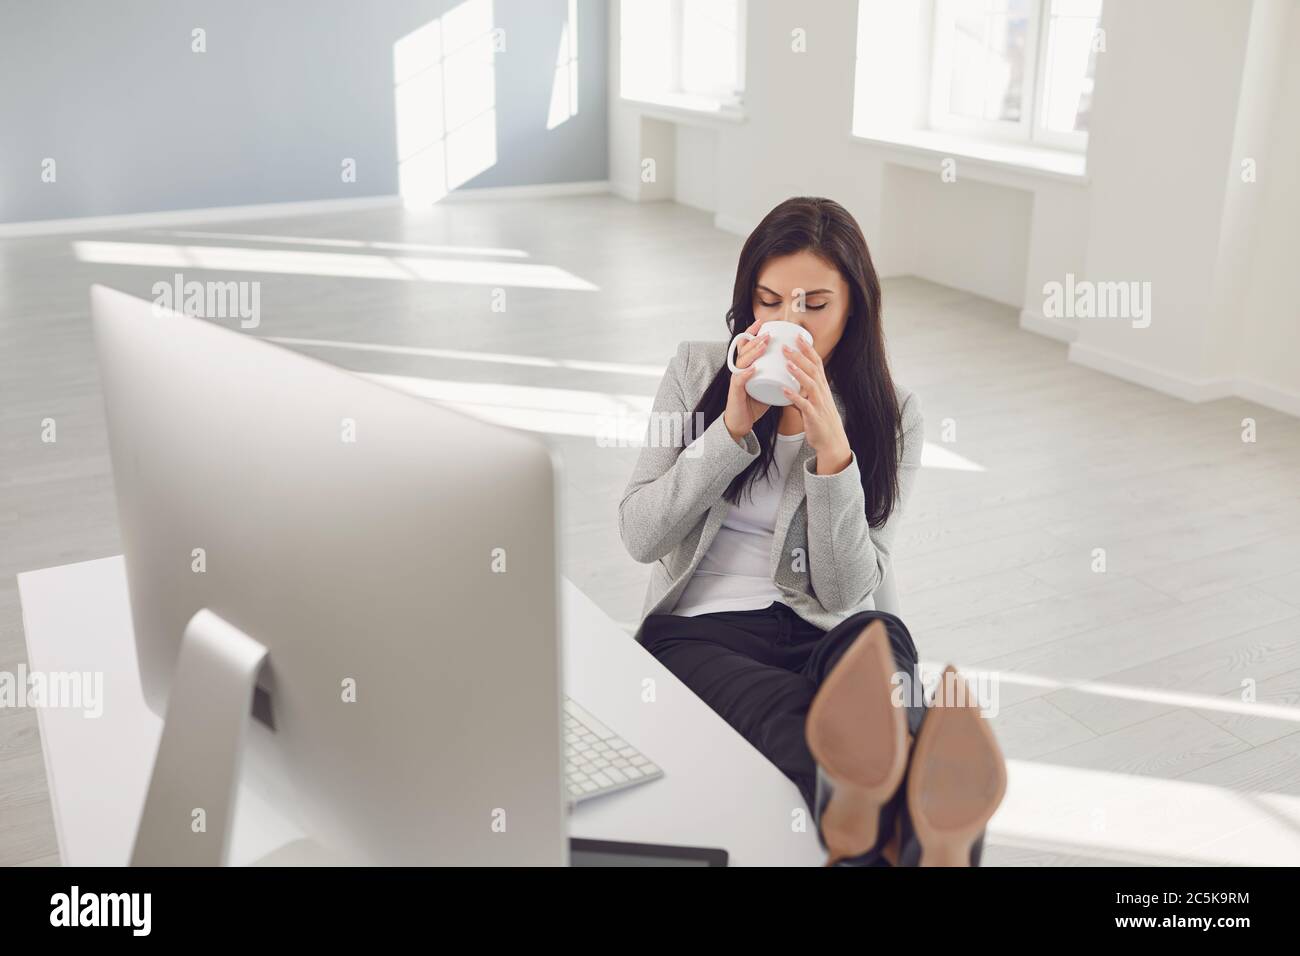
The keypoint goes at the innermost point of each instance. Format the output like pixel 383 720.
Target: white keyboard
pixel 598 761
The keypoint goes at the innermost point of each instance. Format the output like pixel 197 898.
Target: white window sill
pixel 683 108
pixel 1059 164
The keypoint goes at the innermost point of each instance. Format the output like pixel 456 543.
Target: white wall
pixel 1243 205
pixel 981 233
pixel 971 235
pixel 1199 89
pixel 1161 140
pixel 1269 351
pixel 137 122
pixel 696 149
pixel 1185 89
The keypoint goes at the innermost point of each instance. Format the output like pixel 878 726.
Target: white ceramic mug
pixel 772 374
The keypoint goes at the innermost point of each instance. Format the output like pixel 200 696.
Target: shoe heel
pixel 859 740
pixel 957 780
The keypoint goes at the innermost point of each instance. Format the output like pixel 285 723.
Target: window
pixel 1015 69
pixel 687 53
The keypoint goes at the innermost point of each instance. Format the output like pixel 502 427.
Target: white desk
pixel 717 790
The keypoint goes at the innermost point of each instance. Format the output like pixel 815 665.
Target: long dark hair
pixel 857 370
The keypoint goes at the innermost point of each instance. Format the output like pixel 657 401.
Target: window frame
pixel 677 27
pixel 1029 130
pixel 1073 140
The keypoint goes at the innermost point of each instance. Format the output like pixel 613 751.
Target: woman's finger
pixel 798 401
pixel 813 356
pixel 801 360
pixel 750 351
pixel 807 381
pixel 806 348
pixel 740 378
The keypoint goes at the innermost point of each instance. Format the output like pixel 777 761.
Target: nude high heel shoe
pixel 956 779
pixel 859 739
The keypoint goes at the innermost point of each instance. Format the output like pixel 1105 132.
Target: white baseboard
pixel 1192 390
pixel 175 217
pixel 626 191
pixel 732 224
pixel 1268 396
pixel 633 192
pixel 1179 386
pixel 539 191
pixel 1058 329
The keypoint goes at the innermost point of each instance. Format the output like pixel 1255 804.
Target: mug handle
pixel 731 351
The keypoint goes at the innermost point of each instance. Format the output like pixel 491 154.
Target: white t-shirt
pixel 735 573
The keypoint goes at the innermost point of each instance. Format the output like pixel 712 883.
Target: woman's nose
pixel 795 309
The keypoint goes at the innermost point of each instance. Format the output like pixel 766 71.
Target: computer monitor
pixel 385 569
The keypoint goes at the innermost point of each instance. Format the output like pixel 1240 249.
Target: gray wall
pixel 138 123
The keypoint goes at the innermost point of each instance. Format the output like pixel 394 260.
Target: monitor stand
pixel 191 799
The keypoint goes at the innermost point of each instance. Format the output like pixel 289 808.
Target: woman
pixel 768 534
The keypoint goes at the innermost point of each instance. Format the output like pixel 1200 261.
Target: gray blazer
pixel 826 560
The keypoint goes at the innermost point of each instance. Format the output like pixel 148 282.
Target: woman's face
pixel 806 290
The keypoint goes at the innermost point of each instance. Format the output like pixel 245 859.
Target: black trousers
pixel 759 671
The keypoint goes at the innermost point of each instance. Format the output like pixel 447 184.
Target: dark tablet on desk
pixel 610 853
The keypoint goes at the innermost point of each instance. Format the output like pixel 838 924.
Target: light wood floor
pixel 1120 694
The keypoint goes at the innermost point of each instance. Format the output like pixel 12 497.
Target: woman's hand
pixel 823 429
pixel 742 411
